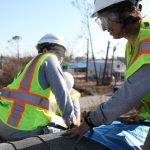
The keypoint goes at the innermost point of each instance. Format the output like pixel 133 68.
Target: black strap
pixel 45 144
pixel 88 121
pixel 146 24
pixel 55 125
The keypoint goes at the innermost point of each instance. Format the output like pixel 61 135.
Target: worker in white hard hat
pixel 26 106
pixel 123 19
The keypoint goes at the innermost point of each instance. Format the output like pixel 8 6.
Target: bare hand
pixel 78 131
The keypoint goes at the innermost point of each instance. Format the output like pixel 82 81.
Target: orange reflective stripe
pixel 140 54
pixel 23 109
pixel 18 114
pixel 18 100
pixel 26 98
pixel 11 112
pixel 32 74
pixel 26 81
pixel 23 79
pixel 143 49
pixel 25 92
pixel 145 40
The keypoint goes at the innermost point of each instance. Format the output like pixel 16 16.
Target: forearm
pixel 65 104
pixel 58 86
pixel 76 106
pixel 123 100
pixel 77 112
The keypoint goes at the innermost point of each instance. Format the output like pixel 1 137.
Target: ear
pixel 44 50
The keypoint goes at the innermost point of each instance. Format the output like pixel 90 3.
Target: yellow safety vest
pixel 24 104
pixel 136 57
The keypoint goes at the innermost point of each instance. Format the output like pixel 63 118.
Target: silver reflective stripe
pixel 16 112
pixel 26 81
pixel 27 98
pixel 144 46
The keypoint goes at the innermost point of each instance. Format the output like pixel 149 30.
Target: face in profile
pixel 109 21
pixel 59 51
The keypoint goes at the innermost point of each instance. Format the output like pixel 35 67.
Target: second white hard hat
pixel 51 39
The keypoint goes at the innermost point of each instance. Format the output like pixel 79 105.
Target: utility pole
pixel 87 61
pixel 112 63
pixel 105 66
pixel 1 62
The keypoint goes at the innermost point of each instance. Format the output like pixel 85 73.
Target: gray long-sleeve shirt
pixel 51 75
pixel 124 99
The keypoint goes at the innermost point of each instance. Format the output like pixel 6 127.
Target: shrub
pixel 10 69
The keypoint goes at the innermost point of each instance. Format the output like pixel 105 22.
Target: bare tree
pixel 85 8
pixel 17 39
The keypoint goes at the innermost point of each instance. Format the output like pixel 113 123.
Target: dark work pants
pixel 147 142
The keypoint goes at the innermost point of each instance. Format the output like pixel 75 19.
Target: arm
pixel 124 99
pixel 55 79
pixel 76 105
pixel 121 102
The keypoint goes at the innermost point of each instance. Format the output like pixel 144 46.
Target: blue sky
pixel 31 19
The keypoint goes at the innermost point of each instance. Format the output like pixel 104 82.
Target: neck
pixel 132 36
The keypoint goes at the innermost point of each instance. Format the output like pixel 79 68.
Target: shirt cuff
pixel 95 119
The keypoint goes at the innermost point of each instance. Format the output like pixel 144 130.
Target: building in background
pixel 117 70
pixel 67 67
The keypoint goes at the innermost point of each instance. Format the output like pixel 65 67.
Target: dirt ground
pixel 90 88
pixel 92 95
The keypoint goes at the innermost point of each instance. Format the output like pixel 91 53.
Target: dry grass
pixel 90 88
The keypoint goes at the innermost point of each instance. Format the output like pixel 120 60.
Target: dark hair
pixel 131 8
pixel 45 45
pixel 129 14
pixel 123 5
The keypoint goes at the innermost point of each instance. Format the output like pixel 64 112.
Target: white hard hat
pixel 51 39
pixel 69 80
pixel 102 4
